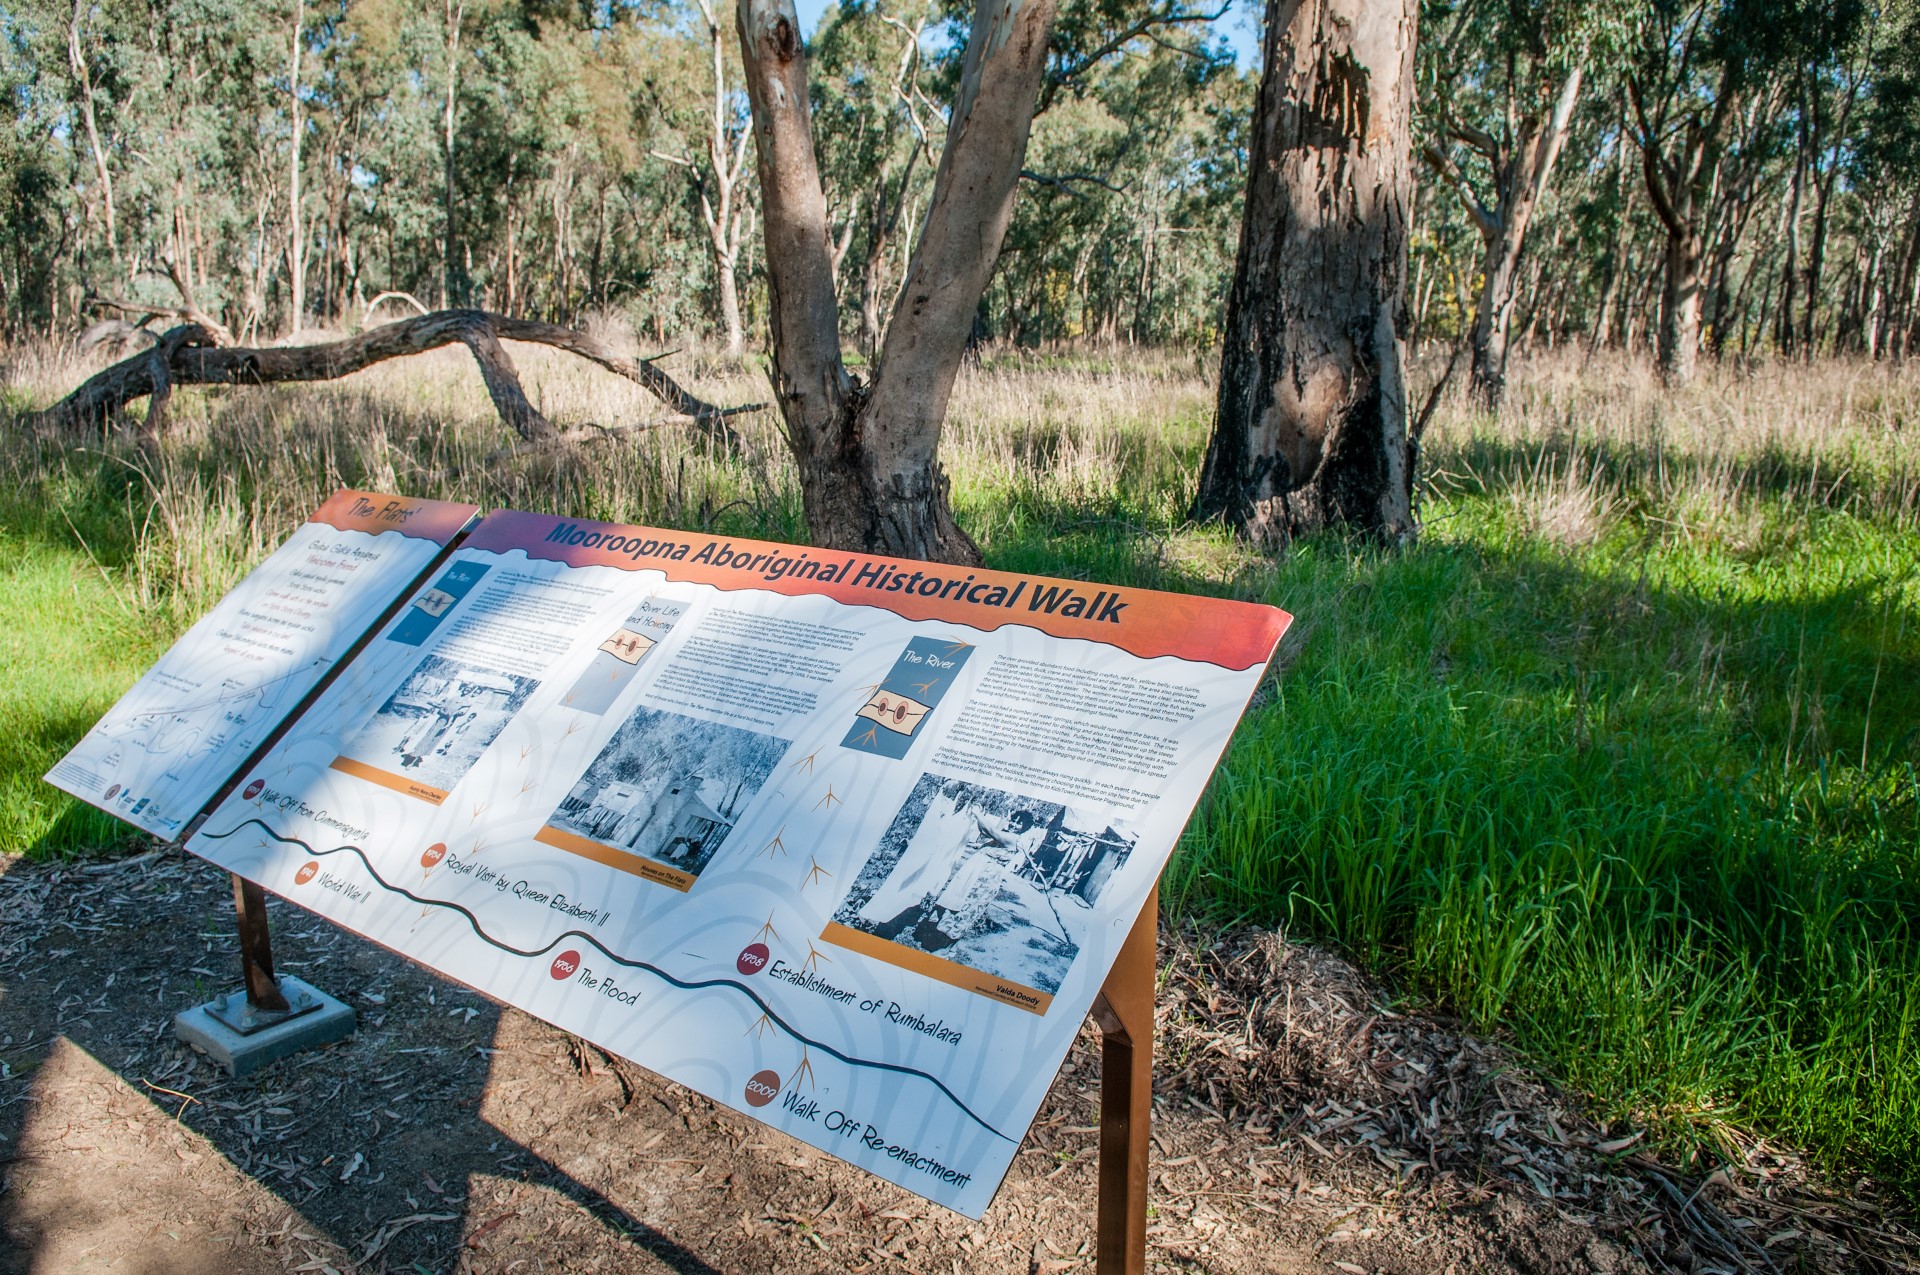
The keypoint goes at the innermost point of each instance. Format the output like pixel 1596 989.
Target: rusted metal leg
pixel 256 948
pixel 1124 1013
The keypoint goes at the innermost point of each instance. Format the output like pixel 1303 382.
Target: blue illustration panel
pixel 890 720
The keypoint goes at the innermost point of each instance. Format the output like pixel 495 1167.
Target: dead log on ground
pixel 187 355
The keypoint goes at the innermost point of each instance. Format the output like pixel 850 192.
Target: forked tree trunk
pixel 1311 424
pixel 1679 187
pixel 1521 173
pixel 868 454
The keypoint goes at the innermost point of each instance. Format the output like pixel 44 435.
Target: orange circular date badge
pixel 306 873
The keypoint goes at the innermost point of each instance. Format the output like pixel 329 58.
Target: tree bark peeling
pixel 1311 420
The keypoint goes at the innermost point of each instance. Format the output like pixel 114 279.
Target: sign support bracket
pixel 274 1016
pixel 1124 1013
pixel 256 948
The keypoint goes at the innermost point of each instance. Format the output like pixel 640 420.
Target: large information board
pixel 846 843
pixel 193 719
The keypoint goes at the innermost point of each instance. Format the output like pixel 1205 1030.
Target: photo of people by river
pixel 668 788
pixel 1000 883
pixel 434 728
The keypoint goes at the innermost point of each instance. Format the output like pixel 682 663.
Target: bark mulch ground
pixel 1301 1124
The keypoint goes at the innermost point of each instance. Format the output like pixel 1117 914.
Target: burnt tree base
pixel 1362 485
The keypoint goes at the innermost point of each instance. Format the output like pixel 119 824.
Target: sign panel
pixel 168 746
pixel 843 842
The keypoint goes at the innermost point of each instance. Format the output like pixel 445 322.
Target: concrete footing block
pixel 243 1040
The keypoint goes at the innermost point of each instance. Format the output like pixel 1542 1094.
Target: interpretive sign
pixel 164 751
pixel 844 842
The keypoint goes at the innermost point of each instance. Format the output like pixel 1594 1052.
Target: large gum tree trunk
pixel 870 475
pixel 1311 424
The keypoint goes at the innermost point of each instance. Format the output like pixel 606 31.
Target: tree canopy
pixel 1745 170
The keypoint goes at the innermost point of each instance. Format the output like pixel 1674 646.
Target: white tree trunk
pixel 296 247
pixel 868 454
pixel 85 81
pixel 725 212
pixel 449 283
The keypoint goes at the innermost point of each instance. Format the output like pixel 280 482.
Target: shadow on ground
pixel 125 1151
pixel 449 1135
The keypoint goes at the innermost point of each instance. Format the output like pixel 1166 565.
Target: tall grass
pixel 1622 757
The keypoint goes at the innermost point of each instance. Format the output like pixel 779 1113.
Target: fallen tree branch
pixel 187 356
pixel 366 315
pixel 188 311
pixel 148 311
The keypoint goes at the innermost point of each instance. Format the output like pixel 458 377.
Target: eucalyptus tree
pixel 296 220
pixel 40 226
pixel 878 129
pixel 79 57
pixel 1130 195
pixel 1831 52
pixel 524 109
pixel 1502 80
pixel 1310 427
pixel 192 102
pixel 714 159
pixel 868 451
pixel 1885 167
pixel 383 120
pixel 1729 175
pixel 1703 88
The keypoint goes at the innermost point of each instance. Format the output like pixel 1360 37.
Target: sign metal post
pixel 1124 1013
pixel 256 949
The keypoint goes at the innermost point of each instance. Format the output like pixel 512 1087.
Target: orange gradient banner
pixel 373 513
pixel 1144 622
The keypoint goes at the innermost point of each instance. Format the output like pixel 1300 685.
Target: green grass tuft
pixel 69 646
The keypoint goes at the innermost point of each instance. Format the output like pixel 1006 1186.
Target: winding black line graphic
pixel 473 923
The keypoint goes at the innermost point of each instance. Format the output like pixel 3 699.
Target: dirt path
pixel 1299 1126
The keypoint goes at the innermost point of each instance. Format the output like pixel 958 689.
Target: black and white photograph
pixel 669 788
pixel 434 728
pixel 1000 883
